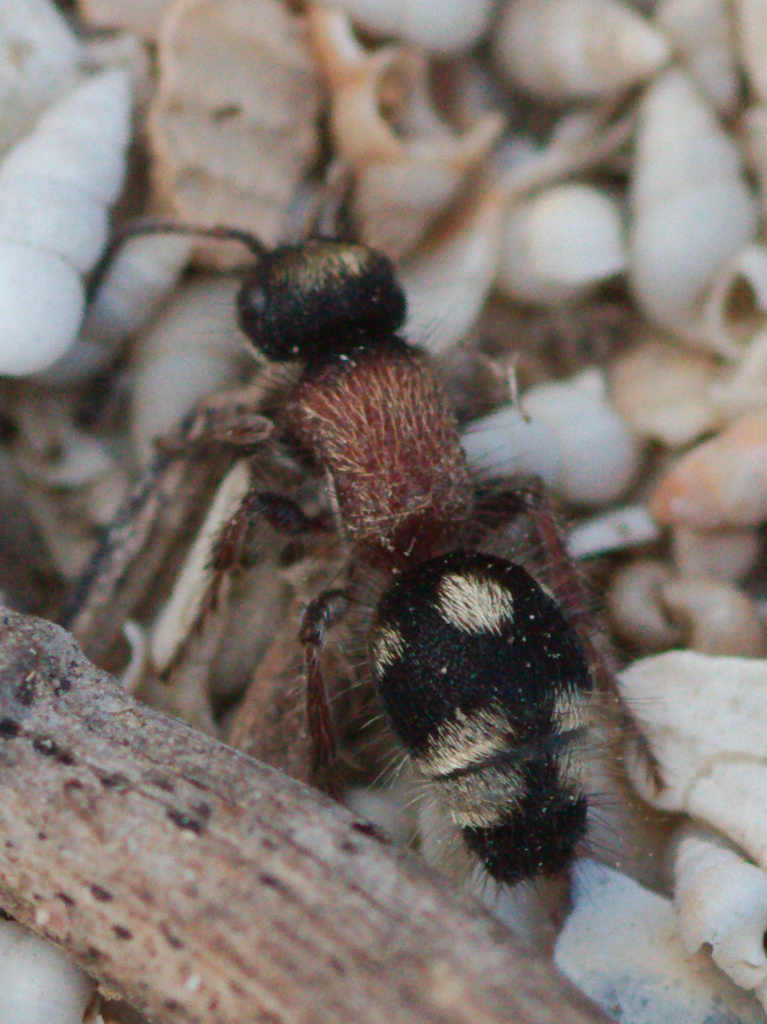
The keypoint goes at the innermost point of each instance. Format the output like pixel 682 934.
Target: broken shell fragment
pixel 55 189
pixel 702 718
pixel 560 243
pixel 691 208
pixel 577 49
pixel 408 166
pixel 664 392
pixel 621 528
pixel 621 945
pixel 720 483
pixel 437 26
pixel 721 900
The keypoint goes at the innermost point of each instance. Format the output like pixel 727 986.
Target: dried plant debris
pixel 233 126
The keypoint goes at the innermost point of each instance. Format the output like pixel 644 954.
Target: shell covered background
pixel 574 192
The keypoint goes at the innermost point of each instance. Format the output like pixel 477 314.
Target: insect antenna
pixel 162 226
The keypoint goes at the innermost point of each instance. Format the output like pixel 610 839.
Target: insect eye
pixel 318 299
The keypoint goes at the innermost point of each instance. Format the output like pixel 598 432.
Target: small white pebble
pixel 600 456
pixel 38 983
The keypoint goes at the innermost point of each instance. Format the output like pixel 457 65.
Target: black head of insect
pixel 305 301
pixel 308 301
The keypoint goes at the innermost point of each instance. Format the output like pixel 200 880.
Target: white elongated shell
pixel 621 945
pixel 39 983
pixel 691 208
pixel 664 392
pixel 720 483
pixel 703 33
pixel 39 55
pixel 55 187
pixel 703 719
pixel 507 442
pixel 599 454
pixel 41 306
pixel 577 49
pixel 560 243
pixel 434 24
pixel 193 349
pixel 721 900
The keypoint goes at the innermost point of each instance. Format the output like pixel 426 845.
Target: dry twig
pixel 204 887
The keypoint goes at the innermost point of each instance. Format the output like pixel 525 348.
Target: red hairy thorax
pixel 382 427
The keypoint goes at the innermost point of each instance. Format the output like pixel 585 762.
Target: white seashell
pixel 721 900
pixel 39 57
pixel 559 244
pixel 703 720
pixel 664 392
pixel 622 946
pixel 437 26
pixel 691 208
pixel 752 39
pixel 193 349
pixel 447 283
pixel 703 34
pixel 722 554
pixel 507 442
pixel 55 188
pixel 39 983
pixel 612 531
pixel 599 454
pixel 577 49
pixel 722 482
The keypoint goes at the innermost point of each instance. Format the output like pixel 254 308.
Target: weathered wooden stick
pixel 204 887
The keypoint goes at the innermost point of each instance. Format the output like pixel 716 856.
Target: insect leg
pixel 321 615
